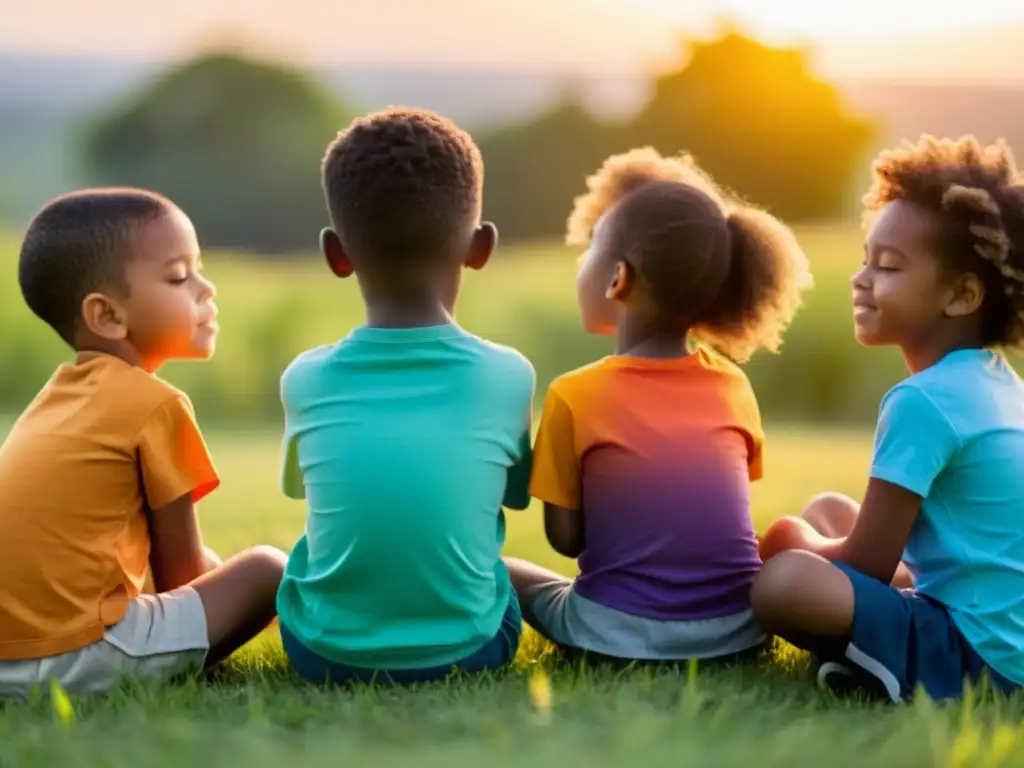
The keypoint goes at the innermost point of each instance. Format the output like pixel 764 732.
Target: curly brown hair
pixel 733 273
pixel 976 196
pixel 402 182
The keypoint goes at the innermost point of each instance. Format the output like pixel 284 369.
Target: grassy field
pixel 256 714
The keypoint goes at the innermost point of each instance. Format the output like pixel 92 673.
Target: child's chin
pixel 204 352
pixel 866 339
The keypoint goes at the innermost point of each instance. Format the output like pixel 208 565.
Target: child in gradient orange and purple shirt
pixel 644 459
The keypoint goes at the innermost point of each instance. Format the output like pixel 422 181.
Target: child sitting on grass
pixel 408 435
pixel 102 472
pixel 942 280
pixel 644 459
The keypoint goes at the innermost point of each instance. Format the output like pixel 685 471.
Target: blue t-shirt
pixel 405 443
pixel 954 435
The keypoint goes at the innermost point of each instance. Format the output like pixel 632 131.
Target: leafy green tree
pixel 235 141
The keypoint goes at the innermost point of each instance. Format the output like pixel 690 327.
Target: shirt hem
pixel 727 609
pixel 31 650
pixel 376 661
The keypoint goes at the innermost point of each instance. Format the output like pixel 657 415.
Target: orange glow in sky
pixel 786 20
pixel 573 36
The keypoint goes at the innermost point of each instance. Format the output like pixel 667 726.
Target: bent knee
pixel 780 581
pixel 266 562
pixel 831 500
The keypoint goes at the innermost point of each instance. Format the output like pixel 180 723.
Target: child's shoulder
pixel 310 359
pixel 122 386
pixel 972 390
pixel 107 391
pixel 504 360
pixel 714 360
pixel 571 383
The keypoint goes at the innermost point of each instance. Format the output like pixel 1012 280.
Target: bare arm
pixel 876 543
pixel 177 555
pixel 564 529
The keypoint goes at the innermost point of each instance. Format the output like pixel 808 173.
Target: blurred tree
pixel 752 115
pixel 758 120
pixel 237 142
pixel 534 170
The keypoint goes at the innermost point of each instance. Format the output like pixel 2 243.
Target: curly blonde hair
pixel 976 195
pixel 736 273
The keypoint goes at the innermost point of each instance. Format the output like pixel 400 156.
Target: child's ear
pixel 621 284
pixel 334 253
pixel 967 296
pixel 485 240
pixel 104 317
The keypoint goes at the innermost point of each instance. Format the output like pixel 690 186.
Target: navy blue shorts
pixel 495 654
pixel 901 640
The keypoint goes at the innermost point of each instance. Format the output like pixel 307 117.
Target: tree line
pixel 237 141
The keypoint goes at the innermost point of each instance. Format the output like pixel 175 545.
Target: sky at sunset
pixel 866 38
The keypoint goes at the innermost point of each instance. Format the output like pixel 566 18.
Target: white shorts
pixel 160 637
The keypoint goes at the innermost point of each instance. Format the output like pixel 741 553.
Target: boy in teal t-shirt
pixel 408 436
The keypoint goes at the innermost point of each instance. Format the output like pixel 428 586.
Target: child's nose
pixel 206 288
pixel 860 278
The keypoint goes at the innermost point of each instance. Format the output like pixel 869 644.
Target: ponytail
pixel 768 272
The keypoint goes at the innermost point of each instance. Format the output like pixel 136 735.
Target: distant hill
pixel 43 98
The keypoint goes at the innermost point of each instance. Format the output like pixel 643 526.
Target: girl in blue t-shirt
pixel 922 584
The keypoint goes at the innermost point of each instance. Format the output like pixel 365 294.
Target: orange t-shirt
pixel 102 442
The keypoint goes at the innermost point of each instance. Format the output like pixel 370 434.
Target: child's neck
pixel 637 337
pixel 927 352
pixel 123 350
pixel 404 314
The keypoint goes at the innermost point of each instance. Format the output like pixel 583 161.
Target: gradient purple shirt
pixel 658 456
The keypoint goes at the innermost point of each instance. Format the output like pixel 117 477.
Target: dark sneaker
pixel 845 682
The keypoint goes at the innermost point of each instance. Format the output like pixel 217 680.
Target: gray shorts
pixel 556 611
pixel 160 637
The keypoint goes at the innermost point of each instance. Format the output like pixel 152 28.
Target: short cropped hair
pixel 79 243
pixel 402 182
pixel 975 195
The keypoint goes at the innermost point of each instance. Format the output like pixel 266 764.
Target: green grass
pixel 258 715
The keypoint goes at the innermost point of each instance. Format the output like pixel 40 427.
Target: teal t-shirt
pixel 954 435
pixel 405 444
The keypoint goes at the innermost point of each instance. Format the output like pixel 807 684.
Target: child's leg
pixel 832 514
pixel 798 593
pixel 212 561
pixel 240 598
pixel 825 522
pixel 890 641
pixel 829 516
pixel 162 636
pixel 535 586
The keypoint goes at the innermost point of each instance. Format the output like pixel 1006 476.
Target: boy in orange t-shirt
pixel 102 472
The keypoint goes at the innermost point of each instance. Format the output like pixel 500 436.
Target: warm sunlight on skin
pixel 788 20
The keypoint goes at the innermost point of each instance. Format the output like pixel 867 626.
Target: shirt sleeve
pixel 749 417
pixel 293 483
pixel 517 489
pixel 755 440
pixel 517 486
pixel 173 457
pixel 555 478
pixel 914 441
